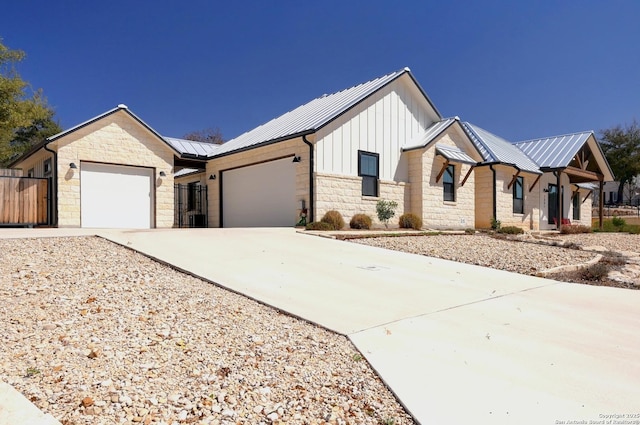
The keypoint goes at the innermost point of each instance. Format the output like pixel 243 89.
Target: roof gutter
pixel 258 145
pixel 193 156
pixel 53 192
pixel 311 168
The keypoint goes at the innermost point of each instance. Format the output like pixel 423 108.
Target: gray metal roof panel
pixel 430 133
pixel 310 116
pixel 454 154
pixel 192 147
pixel 187 171
pixel 554 152
pixel 496 149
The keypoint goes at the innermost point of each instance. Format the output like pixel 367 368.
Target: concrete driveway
pixel 456 343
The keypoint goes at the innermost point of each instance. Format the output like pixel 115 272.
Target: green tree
pixel 386 210
pixel 621 146
pixel 24 113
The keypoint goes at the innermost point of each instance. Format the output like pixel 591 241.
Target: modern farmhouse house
pixel 383 139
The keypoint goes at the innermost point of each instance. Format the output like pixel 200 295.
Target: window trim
pixel 368 177
pixel 518 181
pixel 446 184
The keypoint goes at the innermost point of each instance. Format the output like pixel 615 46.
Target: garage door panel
pixel 261 195
pixel 115 196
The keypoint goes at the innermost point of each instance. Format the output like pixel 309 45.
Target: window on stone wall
pixel 369 169
pixel 518 196
pixel 576 205
pixel 449 189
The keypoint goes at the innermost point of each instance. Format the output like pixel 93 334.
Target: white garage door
pixel 116 196
pixel 261 195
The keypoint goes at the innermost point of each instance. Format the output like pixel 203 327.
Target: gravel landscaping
pixel 482 250
pixel 94 333
pixel 527 255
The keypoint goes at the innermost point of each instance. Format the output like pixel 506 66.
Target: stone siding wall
pixel 436 212
pixel 483 197
pixel 344 194
pixel 114 139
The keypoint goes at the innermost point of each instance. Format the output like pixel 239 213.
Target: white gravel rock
pixel 168 348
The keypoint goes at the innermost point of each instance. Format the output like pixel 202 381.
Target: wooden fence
pixel 24 201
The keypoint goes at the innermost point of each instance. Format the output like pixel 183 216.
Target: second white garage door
pixel 116 196
pixel 261 195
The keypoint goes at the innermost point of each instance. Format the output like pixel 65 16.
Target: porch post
pixel 600 204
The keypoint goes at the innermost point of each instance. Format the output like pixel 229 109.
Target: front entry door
pixel 552 216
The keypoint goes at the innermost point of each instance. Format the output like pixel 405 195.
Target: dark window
pixel 518 196
pixel 368 169
pixel 447 183
pixel 193 196
pixel 30 173
pixel 576 205
pixel 47 167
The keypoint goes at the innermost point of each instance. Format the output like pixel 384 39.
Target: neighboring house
pixel 630 194
pixel 383 139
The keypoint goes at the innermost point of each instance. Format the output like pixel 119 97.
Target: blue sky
pixel 521 69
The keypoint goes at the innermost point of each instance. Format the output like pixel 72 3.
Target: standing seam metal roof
pixel 454 154
pixel 311 116
pixel 496 149
pixel 554 152
pixel 430 133
pixel 192 147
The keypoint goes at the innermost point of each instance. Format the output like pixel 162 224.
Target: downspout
pixel 54 190
pixel 495 209
pixel 311 168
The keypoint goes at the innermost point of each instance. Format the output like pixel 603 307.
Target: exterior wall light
pixel 212 177
pixel 296 159
pixel 163 174
pixel 73 166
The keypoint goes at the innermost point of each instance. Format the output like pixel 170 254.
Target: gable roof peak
pixel 559 136
pixel 314 115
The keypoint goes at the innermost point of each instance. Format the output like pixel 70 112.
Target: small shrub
pixel 595 272
pixel 495 224
pixel 618 221
pixel 410 221
pixel 334 219
pixel 469 231
pixel 360 221
pixel 386 210
pixel 510 230
pixel 319 225
pixel 574 229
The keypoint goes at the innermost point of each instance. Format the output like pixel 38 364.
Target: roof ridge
pixel 398 72
pixel 554 136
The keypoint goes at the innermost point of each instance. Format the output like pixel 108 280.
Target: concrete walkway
pixel 456 343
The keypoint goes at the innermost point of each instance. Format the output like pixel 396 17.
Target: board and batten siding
pixel 382 123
